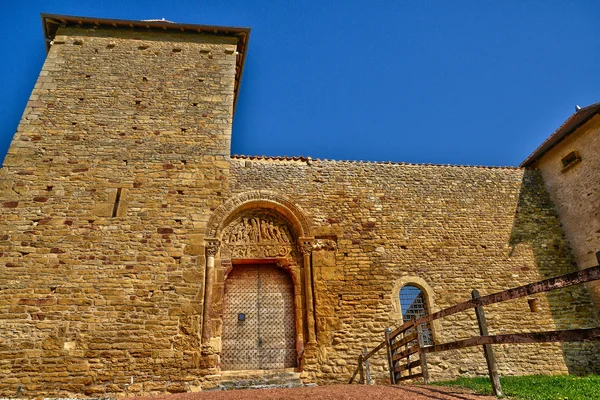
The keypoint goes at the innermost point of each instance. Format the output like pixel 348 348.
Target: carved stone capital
pixel 227 267
pixel 212 247
pixel 305 245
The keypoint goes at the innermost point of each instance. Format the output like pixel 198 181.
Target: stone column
pixel 210 251
pixel 306 247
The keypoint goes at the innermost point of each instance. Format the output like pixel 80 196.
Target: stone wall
pixel 122 152
pixel 120 174
pixel 456 229
pixel 576 192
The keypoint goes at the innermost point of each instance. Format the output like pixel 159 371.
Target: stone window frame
pixel 569 160
pixel 429 298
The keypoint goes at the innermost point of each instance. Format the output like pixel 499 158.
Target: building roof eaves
pixel 572 123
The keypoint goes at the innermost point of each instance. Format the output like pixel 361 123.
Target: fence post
pixel 368 371
pixel 361 372
pixel 389 355
pixel 422 355
pixel 490 358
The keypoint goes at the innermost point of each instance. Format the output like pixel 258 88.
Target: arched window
pixel 414 305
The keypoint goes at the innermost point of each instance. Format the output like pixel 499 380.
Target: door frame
pixel 217 264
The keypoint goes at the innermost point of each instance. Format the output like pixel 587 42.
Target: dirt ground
pixel 337 392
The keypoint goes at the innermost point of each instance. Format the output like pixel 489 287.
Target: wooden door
pixel 259 330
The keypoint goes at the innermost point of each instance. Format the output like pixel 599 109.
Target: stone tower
pixel 129 124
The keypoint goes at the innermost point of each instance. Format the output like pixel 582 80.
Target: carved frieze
pixel 325 244
pixel 258 234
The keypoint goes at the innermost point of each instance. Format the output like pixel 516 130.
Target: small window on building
pixel 570 159
pixel 414 305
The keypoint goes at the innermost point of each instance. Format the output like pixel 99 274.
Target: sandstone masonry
pixel 123 214
pixel 570 171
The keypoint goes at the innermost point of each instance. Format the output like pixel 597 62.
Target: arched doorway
pixel 259 330
pixel 258 252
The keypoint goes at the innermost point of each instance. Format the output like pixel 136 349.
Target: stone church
pixel 138 256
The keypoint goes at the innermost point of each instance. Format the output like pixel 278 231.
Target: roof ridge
pixel 587 107
pixel 310 159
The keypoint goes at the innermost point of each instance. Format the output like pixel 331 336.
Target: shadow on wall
pixel 537 225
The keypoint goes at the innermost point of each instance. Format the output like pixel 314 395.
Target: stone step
pixel 263 379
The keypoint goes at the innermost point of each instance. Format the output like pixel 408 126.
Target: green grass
pixel 563 387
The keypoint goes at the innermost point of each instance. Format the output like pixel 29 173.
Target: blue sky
pixel 465 82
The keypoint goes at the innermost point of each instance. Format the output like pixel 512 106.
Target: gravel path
pixel 337 392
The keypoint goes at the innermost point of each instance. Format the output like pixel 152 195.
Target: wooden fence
pixel 407 354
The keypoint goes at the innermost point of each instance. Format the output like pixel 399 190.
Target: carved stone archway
pixel 259 227
pixel 258 199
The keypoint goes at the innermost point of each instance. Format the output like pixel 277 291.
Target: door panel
pixel 240 338
pixel 266 337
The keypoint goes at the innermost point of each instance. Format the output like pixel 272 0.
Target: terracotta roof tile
pixel 310 159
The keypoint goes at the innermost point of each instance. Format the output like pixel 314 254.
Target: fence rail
pixel 406 351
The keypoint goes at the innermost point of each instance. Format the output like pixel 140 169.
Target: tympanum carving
pixel 258 234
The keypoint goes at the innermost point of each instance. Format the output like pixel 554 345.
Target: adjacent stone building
pixel 137 255
pixel 569 161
